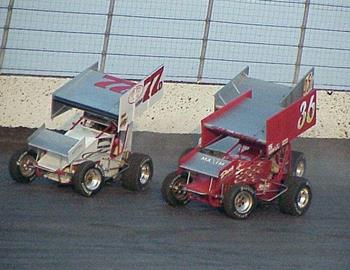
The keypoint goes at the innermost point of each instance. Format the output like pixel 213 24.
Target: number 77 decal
pixel 153 84
pixel 141 96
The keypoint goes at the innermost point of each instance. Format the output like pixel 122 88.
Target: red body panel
pixel 291 122
pixel 248 168
pixel 262 166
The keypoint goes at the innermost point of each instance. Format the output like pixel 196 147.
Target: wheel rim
pixel 177 190
pixel 300 169
pixel 243 202
pixel 26 165
pixel 145 173
pixel 92 179
pixel 303 198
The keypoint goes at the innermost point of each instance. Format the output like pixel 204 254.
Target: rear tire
pixel 88 179
pixel 138 176
pixel 297 199
pixel 172 192
pixel 239 201
pixel 298 164
pixel 21 166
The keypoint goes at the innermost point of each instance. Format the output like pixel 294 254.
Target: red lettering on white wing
pixel 153 84
pixel 115 84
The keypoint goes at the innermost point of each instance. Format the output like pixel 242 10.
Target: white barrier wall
pixel 26 101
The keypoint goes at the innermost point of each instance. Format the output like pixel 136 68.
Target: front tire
pixel 297 199
pixel 172 191
pixel 88 179
pixel 21 166
pixel 239 201
pixel 138 176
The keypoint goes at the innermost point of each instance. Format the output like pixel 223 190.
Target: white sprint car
pixel 97 146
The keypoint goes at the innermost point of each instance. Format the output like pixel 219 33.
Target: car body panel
pixel 246 140
pixel 204 164
pixel 104 133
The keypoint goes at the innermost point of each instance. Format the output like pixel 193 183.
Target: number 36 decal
pixel 307 110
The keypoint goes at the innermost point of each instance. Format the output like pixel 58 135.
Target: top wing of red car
pixel 260 111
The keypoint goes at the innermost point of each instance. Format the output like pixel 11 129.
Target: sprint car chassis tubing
pixel 218 187
pixel 111 128
pixel 259 119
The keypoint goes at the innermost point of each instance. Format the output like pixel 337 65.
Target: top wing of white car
pixel 108 96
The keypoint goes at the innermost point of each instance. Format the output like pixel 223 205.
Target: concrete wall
pixel 25 101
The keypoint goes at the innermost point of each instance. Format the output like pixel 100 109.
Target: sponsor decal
pixel 272 148
pixel 227 172
pixel 264 187
pixel 245 148
pixel 308 84
pixel 135 94
pixel 213 161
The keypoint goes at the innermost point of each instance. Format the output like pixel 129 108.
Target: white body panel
pixel 140 97
pixel 104 133
pixel 95 147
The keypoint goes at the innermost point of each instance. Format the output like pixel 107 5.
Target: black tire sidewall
pixel 299 187
pixel 131 177
pixel 14 169
pixel 78 178
pixel 288 200
pixel 144 186
pixel 229 199
pixel 167 192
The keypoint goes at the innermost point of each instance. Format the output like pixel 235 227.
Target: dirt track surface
pixel 43 226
